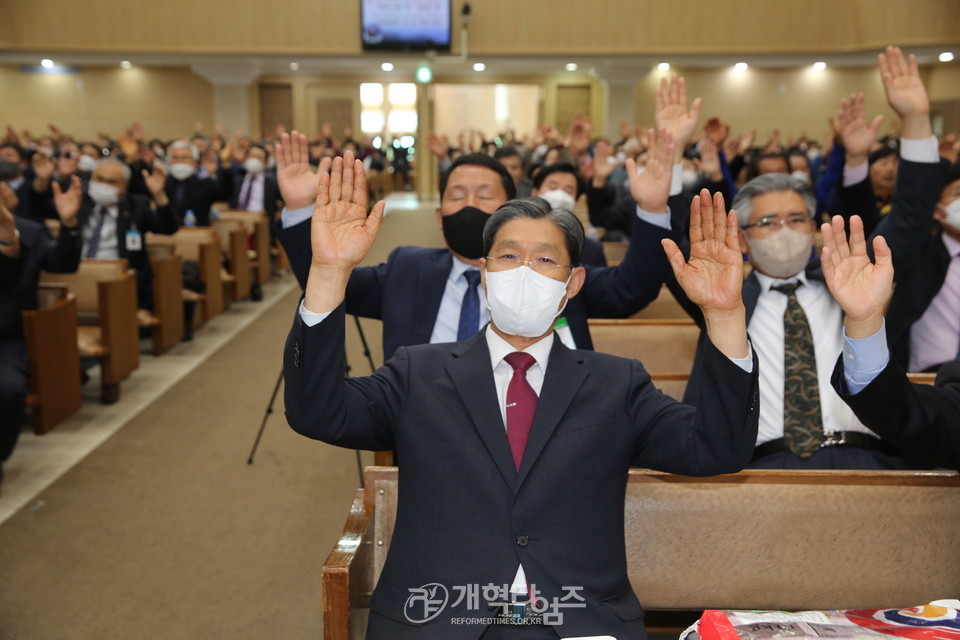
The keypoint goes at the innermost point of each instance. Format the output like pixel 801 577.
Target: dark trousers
pixel 13 392
pixel 843 457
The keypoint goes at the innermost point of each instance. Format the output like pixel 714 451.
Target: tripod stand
pixel 276 388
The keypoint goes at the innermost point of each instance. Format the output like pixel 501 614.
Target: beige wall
pixel 792 100
pixel 497 26
pixel 168 101
pixel 472 106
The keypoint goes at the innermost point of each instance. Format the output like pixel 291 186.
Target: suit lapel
pixel 431 282
pixel 470 371
pixel 564 376
pixel 751 293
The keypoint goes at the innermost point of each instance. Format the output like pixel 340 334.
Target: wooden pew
pixel 664 307
pixel 770 539
pixel 663 346
pixel 106 295
pixel 167 301
pixel 232 236
pixel 258 233
pixel 200 245
pixel 50 333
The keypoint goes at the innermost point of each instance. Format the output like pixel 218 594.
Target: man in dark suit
pixel 113 222
pixel 516 447
pixel 186 190
pixel 803 423
pixel 920 418
pixel 254 188
pixel 20 176
pixel 25 248
pixel 561 185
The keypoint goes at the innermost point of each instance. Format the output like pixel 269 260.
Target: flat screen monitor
pixel 405 25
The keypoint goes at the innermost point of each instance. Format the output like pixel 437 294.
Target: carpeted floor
pixel 165 532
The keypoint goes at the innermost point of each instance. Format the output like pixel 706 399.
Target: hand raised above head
pixel 651 189
pixel 905 92
pixel 851 125
pixel 68 202
pixel 297 180
pixel 861 287
pixel 673 113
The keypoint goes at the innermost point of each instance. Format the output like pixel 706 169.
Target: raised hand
pixel 861 287
pixel 651 189
pixel 905 92
pixel 296 178
pixel 341 232
pixel 713 276
pixel 710 159
pixel 851 125
pixel 716 130
pixel 68 202
pixel 578 138
pixel 8 224
pixel 439 145
pixel 42 167
pixel 155 180
pixel 673 114
pixel 209 162
pixel 602 167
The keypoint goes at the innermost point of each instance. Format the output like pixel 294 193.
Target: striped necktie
pixel 94 245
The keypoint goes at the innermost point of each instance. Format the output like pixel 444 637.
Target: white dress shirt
pixel 447 325
pixel 253 182
pixel 107 248
pixel 766 335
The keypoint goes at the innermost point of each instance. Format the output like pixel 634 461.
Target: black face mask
pixel 463 231
pixel 9 169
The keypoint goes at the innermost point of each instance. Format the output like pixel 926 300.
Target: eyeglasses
pixel 768 223
pixel 544 266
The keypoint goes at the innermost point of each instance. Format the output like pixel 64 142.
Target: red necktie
pixel 521 404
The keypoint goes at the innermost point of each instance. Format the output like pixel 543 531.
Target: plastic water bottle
pixel 190 220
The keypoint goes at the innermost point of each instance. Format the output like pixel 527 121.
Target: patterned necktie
pixel 94 244
pixel 802 423
pixel 521 404
pixel 247 190
pixel 470 307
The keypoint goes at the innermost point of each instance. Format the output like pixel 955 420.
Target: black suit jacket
pixel 194 194
pixel 271 192
pixel 920 418
pixel 405 291
pixel 465 514
pixel 38 251
pixel 136 213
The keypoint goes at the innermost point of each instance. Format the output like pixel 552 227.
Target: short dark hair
pixel 481 160
pixel 13 145
pixel 560 167
pixel 537 208
pixel 507 152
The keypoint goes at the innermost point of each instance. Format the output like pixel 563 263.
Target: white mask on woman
pixel 523 302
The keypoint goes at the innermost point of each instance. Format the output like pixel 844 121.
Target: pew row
pixel 662 345
pixel 770 539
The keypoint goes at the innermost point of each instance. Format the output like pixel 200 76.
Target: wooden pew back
pixel 663 346
pixel 256 225
pixel 770 539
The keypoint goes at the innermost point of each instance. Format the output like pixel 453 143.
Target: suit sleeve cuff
pixel 661 220
pixel 745 363
pixel 925 150
pixel 864 359
pixel 291 218
pixel 853 175
pixel 310 318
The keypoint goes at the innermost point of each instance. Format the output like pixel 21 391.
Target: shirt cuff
pixel 853 175
pixel 745 363
pixel 310 318
pixel 292 218
pixel 676 180
pixel 926 150
pixel 661 220
pixel 864 359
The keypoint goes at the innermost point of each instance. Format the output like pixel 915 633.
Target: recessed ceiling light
pixel 663 66
pixel 125 64
pixel 387 66
pixel 294 66
pixel 47 63
pixel 819 66
pixel 740 67
pixel 571 66
pixel 946 56
pixel 479 66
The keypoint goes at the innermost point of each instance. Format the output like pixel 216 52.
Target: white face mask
pixel 106 195
pixel 781 255
pixel 182 170
pixel 801 175
pixel 523 302
pixel 253 165
pixel 952 209
pixel 690 178
pixel 559 199
pixel 86 163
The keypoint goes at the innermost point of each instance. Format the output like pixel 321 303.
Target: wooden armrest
pixel 341 572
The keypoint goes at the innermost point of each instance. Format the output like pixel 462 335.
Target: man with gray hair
pixel 185 188
pixel 516 448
